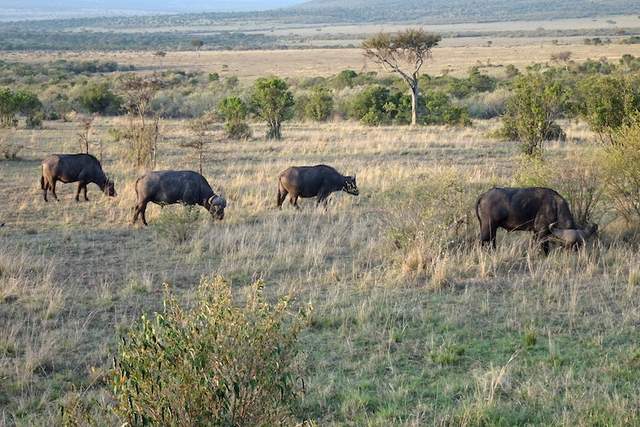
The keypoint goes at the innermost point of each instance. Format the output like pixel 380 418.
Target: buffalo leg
pixel 45 187
pixel 143 211
pixel 78 191
pixel 542 239
pixel 322 198
pixel 293 199
pixel 282 194
pixel 53 188
pixel 488 235
pixel 140 209
pixel 84 188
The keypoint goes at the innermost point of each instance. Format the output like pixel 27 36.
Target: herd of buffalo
pixel 540 210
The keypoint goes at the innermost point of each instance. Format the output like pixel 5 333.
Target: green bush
pixel 319 105
pixel 34 121
pixel 98 98
pixel 20 101
pixel 440 110
pixel 537 101
pixel 372 105
pixel 272 102
pixel 606 103
pixel 213 364
pixel 176 225
pixel 622 170
pixel 234 111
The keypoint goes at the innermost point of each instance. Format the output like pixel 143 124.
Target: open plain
pixel 403 331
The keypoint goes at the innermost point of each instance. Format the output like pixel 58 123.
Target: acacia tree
pixel 403 53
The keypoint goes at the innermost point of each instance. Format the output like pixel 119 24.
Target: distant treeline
pixel 172 41
pixel 89 40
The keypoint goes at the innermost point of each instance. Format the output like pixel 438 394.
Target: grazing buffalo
pixel 170 187
pixel 312 181
pixel 81 168
pixel 541 210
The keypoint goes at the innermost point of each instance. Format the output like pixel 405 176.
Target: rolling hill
pixel 454 11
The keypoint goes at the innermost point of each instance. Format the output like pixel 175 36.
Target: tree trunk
pixel 415 90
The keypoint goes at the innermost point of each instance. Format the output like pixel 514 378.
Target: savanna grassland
pixel 301 63
pixel 413 323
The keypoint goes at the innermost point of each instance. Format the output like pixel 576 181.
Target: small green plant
pixel 447 354
pixel 213 364
pixel 234 111
pixel 530 338
pixel 177 225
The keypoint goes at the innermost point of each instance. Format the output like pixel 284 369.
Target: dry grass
pixel 249 65
pixel 412 334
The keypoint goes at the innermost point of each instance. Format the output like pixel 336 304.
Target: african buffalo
pixel 170 187
pixel 312 181
pixel 81 168
pixel 540 210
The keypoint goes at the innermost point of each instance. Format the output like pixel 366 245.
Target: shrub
pixel 486 105
pixel 213 364
pixel 607 102
pixel 238 131
pixel 434 223
pixel 177 225
pixel 98 98
pixel 12 103
pixel 537 101
pixel 319 105
pixel 234 111
pixel 8 150
pixel 34 121
pixel 372 105
pixel 622 170
pixel 273 102
pixel 440 110
pixel 346 78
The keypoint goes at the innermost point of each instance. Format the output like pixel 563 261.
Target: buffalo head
pixel 350 185
pixel 216 206
pixel 109 188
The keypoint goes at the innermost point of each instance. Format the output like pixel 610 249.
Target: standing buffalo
pixel 81 168
pixel 170 187
pixel 540 210
pixel 312 181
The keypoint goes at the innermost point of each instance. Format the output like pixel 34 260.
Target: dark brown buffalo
pixel 312 181
pixel 171 187
pixel 81 168
pixel 540 210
